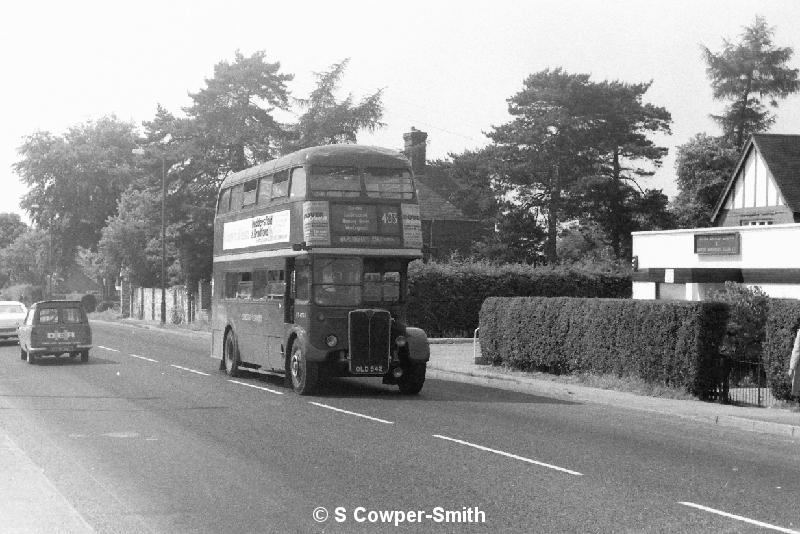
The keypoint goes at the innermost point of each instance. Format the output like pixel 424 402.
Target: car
pixel 12 313
pixel 53 328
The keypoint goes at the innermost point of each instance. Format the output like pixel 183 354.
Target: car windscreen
pixel 71 315
pixel 11 308
pixel 48 315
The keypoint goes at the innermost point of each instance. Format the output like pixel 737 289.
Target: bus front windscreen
pixel 337 282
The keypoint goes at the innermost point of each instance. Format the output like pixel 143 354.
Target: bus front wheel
pixel 230 355
pixel 304 374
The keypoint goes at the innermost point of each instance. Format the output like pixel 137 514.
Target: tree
pixel 25 260
pixel 11 227
pixel 575 147
pixel 75 181
pixel 703 167
pixel 543 150
pixel 327 121
pixel 232 115
pixel 746 72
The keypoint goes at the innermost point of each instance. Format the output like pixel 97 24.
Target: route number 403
pixel 390 217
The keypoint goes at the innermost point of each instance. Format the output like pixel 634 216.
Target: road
pixel 149 436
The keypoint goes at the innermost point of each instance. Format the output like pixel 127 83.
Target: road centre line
pixel 143 358
pixel 107 348
pixel 740 518
pixel 352 413
pixel 256 387
pixel 190 370
pixel 509 455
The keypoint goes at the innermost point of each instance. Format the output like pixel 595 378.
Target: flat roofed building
pixel 753 239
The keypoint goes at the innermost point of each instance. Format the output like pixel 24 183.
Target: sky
pixel 446 68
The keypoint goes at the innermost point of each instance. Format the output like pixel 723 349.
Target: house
pixel 753 238
pixel 445 228
pixel 764 188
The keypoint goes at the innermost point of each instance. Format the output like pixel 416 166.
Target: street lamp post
pixel 163 240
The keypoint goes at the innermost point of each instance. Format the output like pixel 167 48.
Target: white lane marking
pixel 352 413
pixel 740 518
pixel 190 370
pixel 256 387
pixel 143 358
pixel 509 455
pixel 107 348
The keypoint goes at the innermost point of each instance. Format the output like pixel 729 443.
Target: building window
pixel 756 222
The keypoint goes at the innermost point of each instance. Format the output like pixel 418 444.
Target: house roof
pixel 433 206
pixel 781 154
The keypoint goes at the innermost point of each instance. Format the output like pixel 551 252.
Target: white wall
pixel 761 247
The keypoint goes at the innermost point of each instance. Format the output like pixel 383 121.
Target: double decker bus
pixel 311 254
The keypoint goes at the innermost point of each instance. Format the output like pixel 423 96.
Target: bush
pixel 89 303
pixel 748 308
pixel 108 305
pixel 445 299
pixel 671 343
pixel 783 320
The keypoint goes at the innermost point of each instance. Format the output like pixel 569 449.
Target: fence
pixel 742 382
pixel 182 305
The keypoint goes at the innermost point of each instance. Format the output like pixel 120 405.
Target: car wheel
pixel 230 355
pixel 413 379
pixel 84 355
pixel 303 373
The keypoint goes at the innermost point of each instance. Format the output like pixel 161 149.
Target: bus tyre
pixel 412 380
pixel 230 355
pixel 303 373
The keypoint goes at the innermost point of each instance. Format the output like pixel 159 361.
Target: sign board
pixel 717 244
pixel 316 223
pixel 412 226
pixel 262 230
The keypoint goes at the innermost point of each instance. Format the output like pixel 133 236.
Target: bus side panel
pixel 248 319
pixel 219 319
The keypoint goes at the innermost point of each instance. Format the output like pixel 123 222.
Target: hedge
pixel 782 323
pixel 445 299
pixel 670 343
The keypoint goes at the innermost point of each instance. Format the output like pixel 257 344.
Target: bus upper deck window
pixel 264 190
pixel 249 193
pixel 328 181
pixel 280 184
pixel 298 182
pixel 224 205
pixel 388 183
pixel 236 197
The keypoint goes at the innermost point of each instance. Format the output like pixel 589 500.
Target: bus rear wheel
pixel 230 356
pixel 303 373
pixel 413 379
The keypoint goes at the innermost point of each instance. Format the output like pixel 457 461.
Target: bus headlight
pixel 331 340
pixel 400 341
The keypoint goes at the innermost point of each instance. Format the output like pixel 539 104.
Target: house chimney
pixel 415 149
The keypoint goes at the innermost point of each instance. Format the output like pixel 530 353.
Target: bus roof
pixel 340 155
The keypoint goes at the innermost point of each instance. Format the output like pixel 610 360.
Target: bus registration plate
pixel 369 369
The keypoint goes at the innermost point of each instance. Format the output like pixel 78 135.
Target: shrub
pixel 447 298
pixel 670 343
pixel 783 320
pixel 748 308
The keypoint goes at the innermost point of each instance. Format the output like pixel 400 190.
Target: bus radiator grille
pixel 369 332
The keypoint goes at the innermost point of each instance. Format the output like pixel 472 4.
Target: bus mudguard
pixel 313 354
pixel 418 347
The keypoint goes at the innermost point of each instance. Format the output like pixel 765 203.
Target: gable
pixel 754 185
pixel 767 175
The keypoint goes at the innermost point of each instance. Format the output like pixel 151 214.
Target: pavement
pixel 31 504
